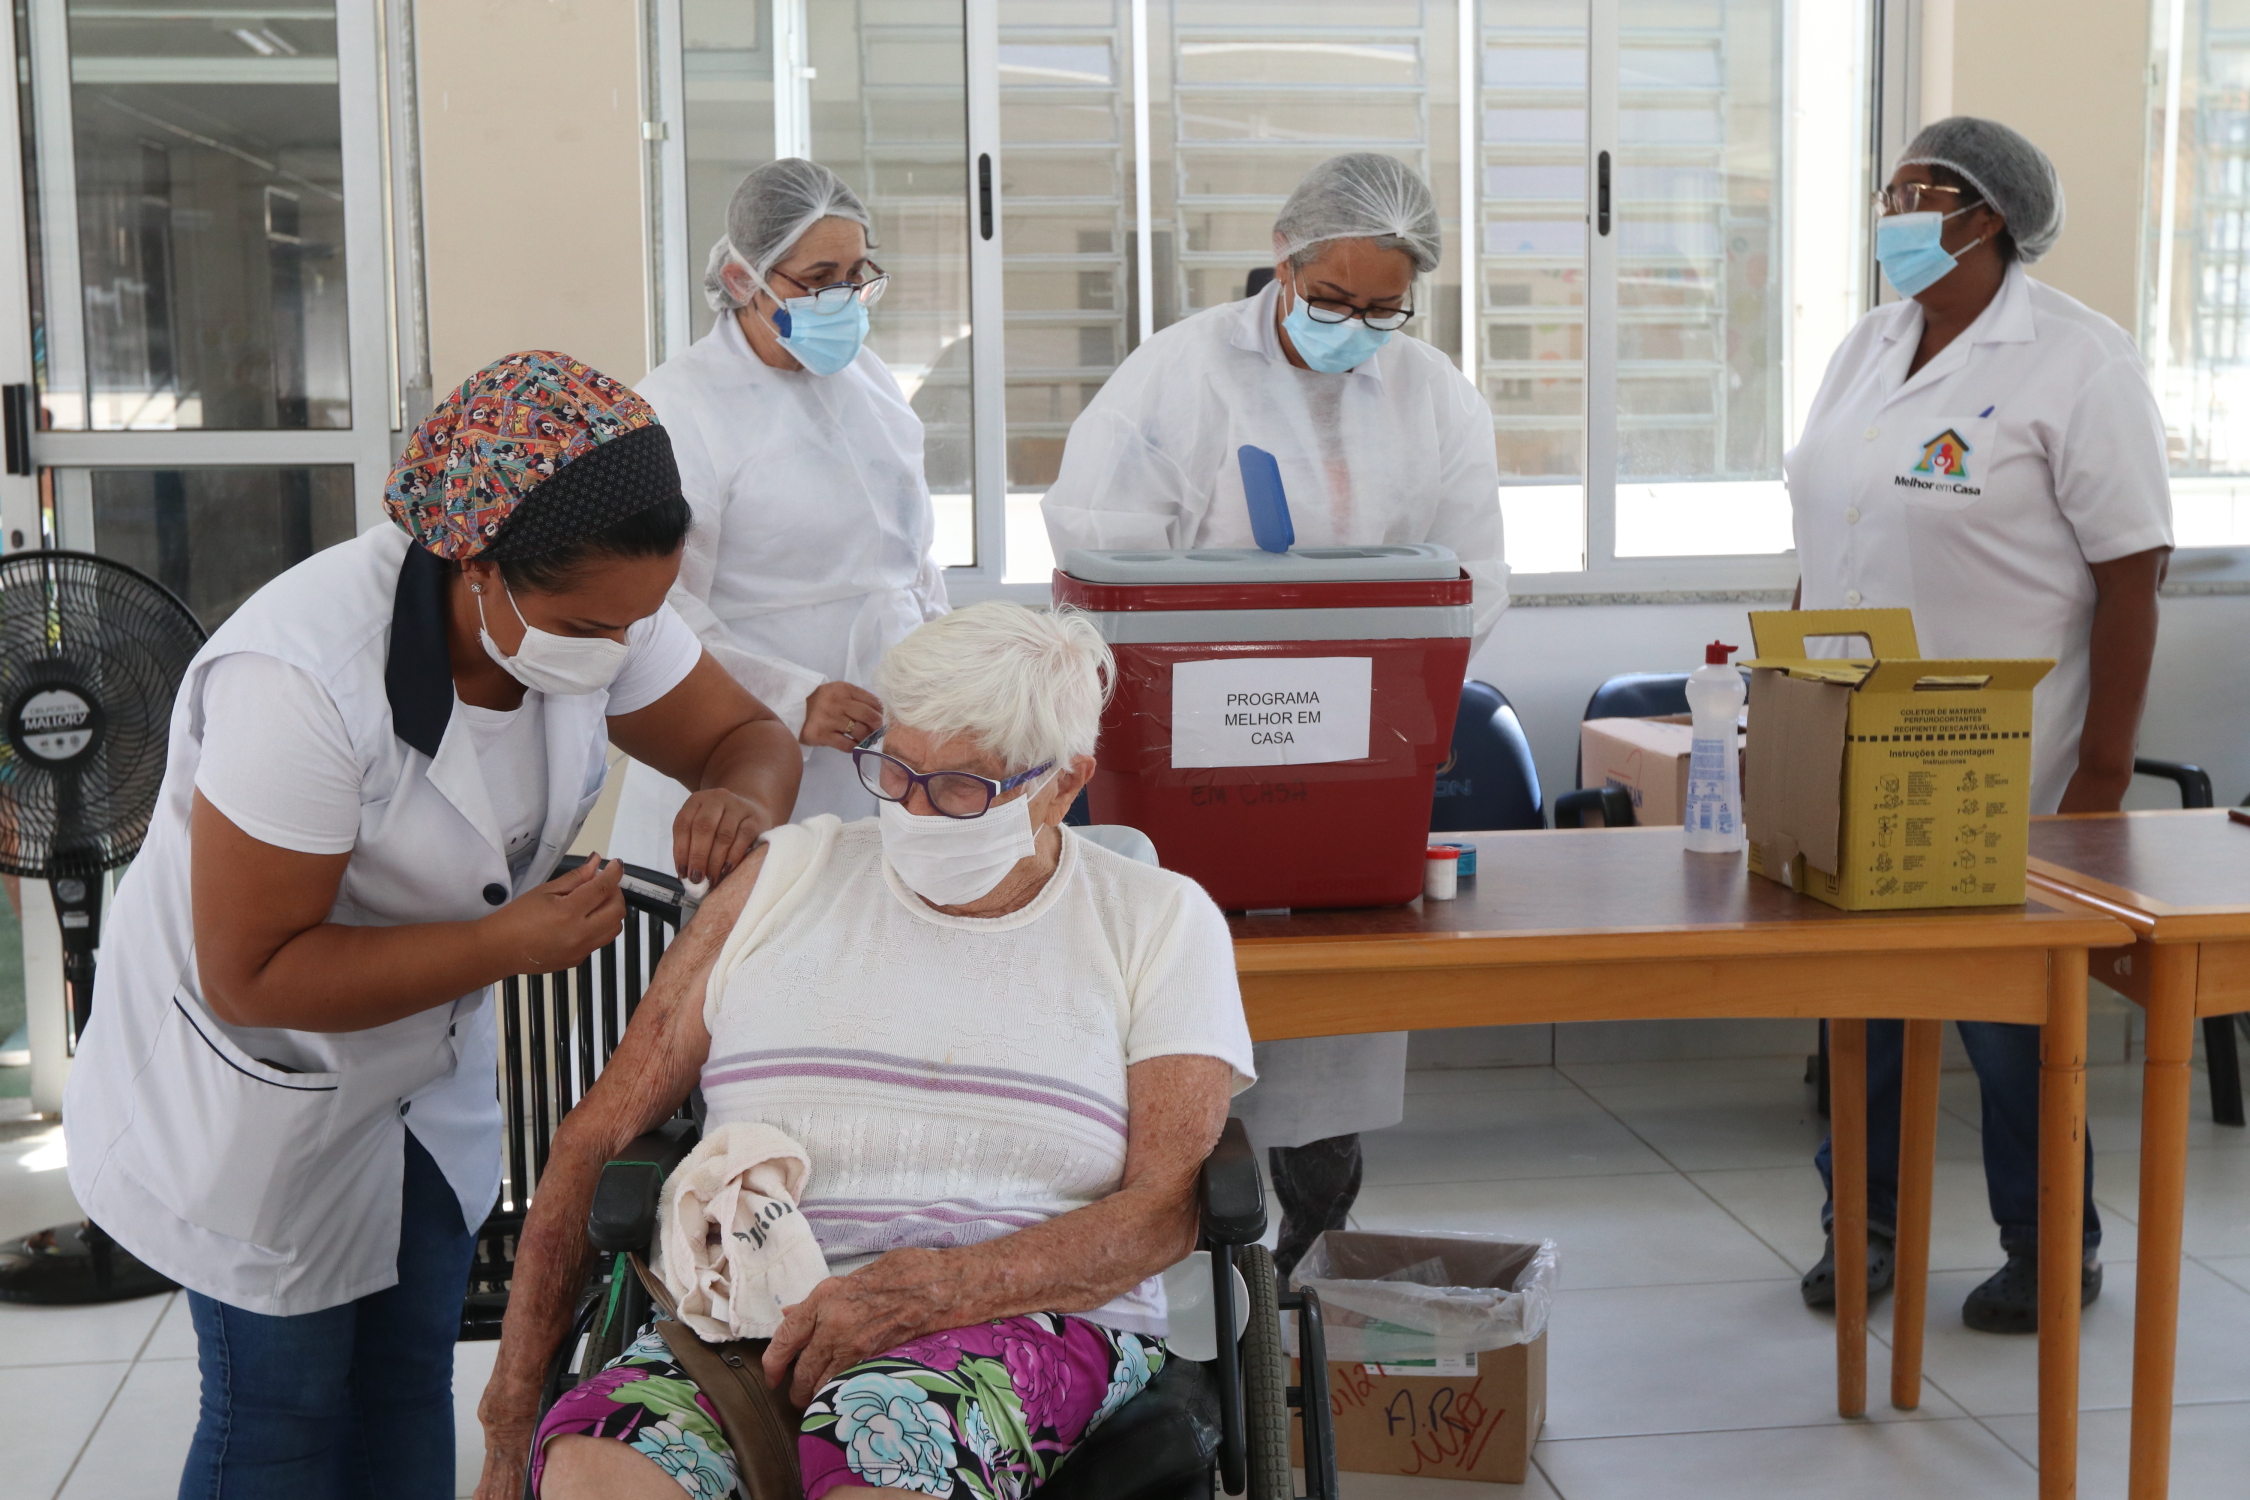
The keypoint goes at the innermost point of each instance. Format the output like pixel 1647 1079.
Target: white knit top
pixel 955 1079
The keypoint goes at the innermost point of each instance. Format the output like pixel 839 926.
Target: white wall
pixel 2073 76
pixel 534 226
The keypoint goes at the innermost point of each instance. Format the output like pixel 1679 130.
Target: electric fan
pixel 91 654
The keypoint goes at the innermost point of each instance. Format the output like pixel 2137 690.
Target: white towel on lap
pixel 733 1250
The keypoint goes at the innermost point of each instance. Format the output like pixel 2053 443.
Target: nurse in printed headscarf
pixel 285 1099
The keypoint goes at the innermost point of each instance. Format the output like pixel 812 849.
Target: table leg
pixel 1917 1165
pixel 1847 1125
pixel 2164 1127
pixel 2062 1187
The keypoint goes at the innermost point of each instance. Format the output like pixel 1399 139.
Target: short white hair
pixel 1028 685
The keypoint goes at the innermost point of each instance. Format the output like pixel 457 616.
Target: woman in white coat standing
pixel 811 550
pixel 1986 452
pixel 1380 439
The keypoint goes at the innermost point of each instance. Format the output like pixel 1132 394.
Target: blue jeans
pixel 351 1401
pixel 2006 1057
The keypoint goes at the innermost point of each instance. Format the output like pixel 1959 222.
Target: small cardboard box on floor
pixel 1890 780
pixel 1647 757
pixel 1430 1403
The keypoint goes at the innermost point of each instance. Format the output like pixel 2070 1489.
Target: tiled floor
pixel 1682 1362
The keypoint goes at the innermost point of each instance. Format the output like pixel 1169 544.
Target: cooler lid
pixel 1379 562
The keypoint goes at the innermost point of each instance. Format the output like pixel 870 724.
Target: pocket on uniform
pixel 1945 464
pixel 220 1138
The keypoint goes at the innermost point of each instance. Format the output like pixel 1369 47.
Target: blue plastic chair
pixel 1489 781
pixel 1639 695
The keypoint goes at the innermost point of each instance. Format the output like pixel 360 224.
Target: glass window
pixel 1531 288
pixel 1719 275
pixel 214 536
pixel 2195 290
pixel 210 220
pixel 1070 267
pixel 1243 99
pixel 887 99
pixel 1701 403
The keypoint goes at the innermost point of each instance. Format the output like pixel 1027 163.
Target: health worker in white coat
pixel 285 1100
pixel 810 556
pixel 1379 439
pixel 1987 453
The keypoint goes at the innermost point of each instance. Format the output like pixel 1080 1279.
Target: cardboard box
pixel 1888 781
pixel 1646 757
pixel 1475 1418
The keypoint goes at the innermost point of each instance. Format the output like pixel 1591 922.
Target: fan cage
pixel 121 640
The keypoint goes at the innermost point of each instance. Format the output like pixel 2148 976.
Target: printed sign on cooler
pixel 1271 711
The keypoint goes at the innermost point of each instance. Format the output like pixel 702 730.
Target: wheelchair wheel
pixel 1265 1381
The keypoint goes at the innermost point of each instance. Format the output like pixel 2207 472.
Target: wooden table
pixel 2181 882
pixel 1624 924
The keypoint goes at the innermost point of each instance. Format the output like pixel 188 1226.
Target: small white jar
pixel 1441 874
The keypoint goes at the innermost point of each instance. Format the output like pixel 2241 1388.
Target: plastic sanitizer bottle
pixel 1714 795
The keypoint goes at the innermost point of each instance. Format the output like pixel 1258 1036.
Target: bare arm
pixel 1074 1262
pixel 655 1065
pixel 2120 653
pixel 740 764
pixel 268 955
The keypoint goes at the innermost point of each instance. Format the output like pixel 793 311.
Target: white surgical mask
pixel 953 861
pixel 548 663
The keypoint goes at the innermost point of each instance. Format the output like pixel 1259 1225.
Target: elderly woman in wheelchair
pixel 1006 1051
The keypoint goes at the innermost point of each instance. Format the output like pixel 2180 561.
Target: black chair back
pixel 1489 781
pixel 556 1034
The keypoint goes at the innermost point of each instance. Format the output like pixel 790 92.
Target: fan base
pixel 72 1265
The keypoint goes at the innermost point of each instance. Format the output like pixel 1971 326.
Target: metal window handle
pixel 984 195
pixel 1601 195
pixel 15 408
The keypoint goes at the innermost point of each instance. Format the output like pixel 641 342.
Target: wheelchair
pixel 1226 1422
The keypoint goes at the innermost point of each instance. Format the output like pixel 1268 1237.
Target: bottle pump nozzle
pixel 1716 654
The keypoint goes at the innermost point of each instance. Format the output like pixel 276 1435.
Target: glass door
pixel 210 295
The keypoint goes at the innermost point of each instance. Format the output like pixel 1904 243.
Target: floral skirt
pixel 982 1413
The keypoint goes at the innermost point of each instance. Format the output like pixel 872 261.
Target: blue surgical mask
pixel 823 342
pixel 1332 348
pixel 1908 248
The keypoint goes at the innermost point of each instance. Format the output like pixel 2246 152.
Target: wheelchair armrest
pixel 1232 1193
pixel 1614 803
pixel 2193 781
pixel 624 1213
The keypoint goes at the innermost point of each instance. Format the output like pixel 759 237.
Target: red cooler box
pixel 1279 717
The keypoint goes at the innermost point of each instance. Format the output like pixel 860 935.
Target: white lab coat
pixel 810 556
pixel 1399 449
pixel 2061 463
pixel 262 1167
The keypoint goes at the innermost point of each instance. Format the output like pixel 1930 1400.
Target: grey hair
pixel 1028 685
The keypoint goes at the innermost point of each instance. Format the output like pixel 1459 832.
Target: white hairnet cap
pixel 769 213
pixel 1361 195
pixel 2009 172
